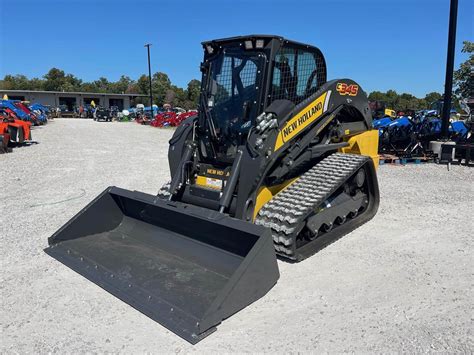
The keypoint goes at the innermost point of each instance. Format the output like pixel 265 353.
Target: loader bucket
pixel 185 267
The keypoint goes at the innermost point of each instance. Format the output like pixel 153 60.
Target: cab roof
pixel 257 36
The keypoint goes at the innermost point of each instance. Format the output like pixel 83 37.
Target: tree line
pixel 163 90
pixel 463 83
pixel 405 101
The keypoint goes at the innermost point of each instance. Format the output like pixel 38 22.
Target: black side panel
pixel 280 108
pixel 177 143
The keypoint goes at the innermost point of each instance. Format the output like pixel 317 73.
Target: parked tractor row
pixel 165 116
pixel 408 134
pixel 16 121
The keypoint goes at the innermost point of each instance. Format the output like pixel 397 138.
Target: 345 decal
pixel 345 89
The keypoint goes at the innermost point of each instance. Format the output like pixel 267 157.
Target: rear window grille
pixel 297 74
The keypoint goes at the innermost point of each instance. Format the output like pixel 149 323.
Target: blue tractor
pixel 408 136
pixel 41 112
pixel 19 113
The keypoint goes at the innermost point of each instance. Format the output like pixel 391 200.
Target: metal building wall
pixel 52 98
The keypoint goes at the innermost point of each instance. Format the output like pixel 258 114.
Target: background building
pixel 71 99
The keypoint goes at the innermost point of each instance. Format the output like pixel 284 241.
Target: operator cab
pixel 241 76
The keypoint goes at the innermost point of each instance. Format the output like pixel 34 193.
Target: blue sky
pixel 382 44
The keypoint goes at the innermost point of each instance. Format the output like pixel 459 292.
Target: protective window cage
pixel 228 85
pixel 297 74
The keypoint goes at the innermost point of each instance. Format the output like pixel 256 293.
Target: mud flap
pixel 186 267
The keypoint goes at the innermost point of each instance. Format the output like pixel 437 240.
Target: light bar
pixel 209 49
pixel 259 43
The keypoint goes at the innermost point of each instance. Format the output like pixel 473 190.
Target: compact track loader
pixel 279 161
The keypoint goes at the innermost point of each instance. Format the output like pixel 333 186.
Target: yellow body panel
pixel 266 193
pixel 366 143
pixel 300 121
pixel 208 182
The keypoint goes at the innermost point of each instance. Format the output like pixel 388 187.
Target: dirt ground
pixel 401 283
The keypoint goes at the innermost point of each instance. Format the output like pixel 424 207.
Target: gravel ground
pixel 401 283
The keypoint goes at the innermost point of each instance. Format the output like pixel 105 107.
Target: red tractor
pixel 33 116
pixel 164 119
pixel 171 118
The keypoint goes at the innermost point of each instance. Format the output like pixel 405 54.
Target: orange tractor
pixel 4 138
pixel 18 131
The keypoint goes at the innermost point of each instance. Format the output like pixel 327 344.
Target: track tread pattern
pixel 164 192
pixel 287 212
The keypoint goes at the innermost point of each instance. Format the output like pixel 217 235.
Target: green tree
pixel 463 77
pixel 132 88
pixel 405 101
pixel 121 86
pixel 391 99
pixel 54 79
pixel 88 87
pixel 160 83
pixel 377 96
pixel 71 83
pixel 102 85
pixel 36 84
pixel 432 97
pixel 15 82
pixel 170 98
pixel 422 104
pixel 408 102
pixel 193 90
pixel 142 84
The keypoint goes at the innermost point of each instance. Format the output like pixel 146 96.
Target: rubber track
pixel 164 192
pixel 287 212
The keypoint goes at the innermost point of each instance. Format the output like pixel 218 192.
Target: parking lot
pixel 401 283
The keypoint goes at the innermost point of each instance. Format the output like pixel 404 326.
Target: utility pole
pixel 448 84
pixel 149 78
